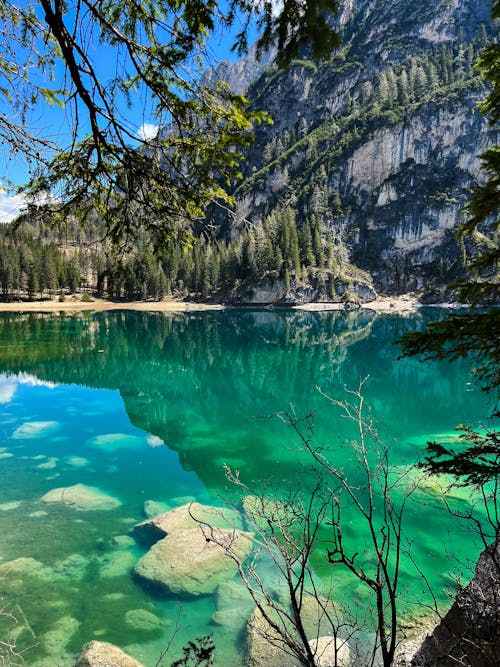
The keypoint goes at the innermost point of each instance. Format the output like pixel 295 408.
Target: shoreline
pixel 400 304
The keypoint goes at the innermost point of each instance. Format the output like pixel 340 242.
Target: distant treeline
pixel 37 262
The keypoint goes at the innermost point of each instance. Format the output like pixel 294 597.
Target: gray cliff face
pixel 381 142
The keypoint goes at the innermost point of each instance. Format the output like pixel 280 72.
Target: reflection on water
pixel 93 399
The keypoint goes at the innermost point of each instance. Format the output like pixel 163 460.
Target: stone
pixel 20 567
pixel 319 616
pixel 141 619
pixel 116 564
pixel 13 505
pixel 73 567
pixel 55 641
pixel 185 517
pixel 81 497
pixel 103 654
pixel 153 508
pixel 77 461
pixel 123 541
pixel 263 646
pixel 49 464
pixel 469 633
pixel 330 652
pixel 234 605
pixel 185 562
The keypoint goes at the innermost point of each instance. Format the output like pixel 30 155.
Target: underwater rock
pixel 154 507
pixel 187 563
pixel 103 654
pixel 49 464
pixel 263 646
pixel 185 517
pixel 55 641
pixel 234 604
pixel 123 541
pixel 81 497
pixel 20 567
pixel 77 461
pixel 14 504
pixel 330 652
pixel 113 442
pixel 141 619
pixel 35 430
pixel 116 563
pixel 319 615
pixel 73 567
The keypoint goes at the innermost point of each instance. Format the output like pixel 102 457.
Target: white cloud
pixel 11 206
pixel 147 131
pixel 8 387
pixel 154 441
pixel 9 384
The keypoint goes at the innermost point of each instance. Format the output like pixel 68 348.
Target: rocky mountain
pixel 375 150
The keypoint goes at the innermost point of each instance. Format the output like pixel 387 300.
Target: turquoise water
pixel 151 407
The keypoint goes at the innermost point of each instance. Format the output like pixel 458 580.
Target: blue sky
pixel 54 122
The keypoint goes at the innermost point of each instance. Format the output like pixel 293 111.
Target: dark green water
pixel 110 388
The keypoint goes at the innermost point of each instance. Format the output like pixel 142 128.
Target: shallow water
pixel 151 407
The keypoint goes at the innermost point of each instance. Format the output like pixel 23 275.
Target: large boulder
pixel 102 654
pixel 190 515
pixel 81 497
pixel 193 562
pixel 265 645
pixel 469 634
pixel 233 606
pixel 330 652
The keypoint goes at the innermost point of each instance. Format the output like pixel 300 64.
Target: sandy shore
pixel 383 305
pixel 77 306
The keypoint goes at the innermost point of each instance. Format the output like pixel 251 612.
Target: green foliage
pixel 475 460
pixel 198 653
pixel 161 184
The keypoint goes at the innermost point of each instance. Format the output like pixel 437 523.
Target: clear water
pixel 92 398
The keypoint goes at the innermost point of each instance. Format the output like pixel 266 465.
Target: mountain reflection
pixel 204 382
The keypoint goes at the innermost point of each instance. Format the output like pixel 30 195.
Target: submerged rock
pixel 141 619
pixel 81 497
pixel 13 505
pixel 263 643
pixel 153 508
pixel 116 563
pixel 20 567
pixel 234 606
pixel 185 562
pixel 55 641
pixel 49 464
pixel 330 652
pixel 190 515
pixel 266 647
pixel 73 567
pixel 319 615
pixel 102 654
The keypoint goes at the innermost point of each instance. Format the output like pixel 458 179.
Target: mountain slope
pixel 380 143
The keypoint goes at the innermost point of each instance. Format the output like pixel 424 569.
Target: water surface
pixel 150 406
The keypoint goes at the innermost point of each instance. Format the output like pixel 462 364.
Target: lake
pixel 148 408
